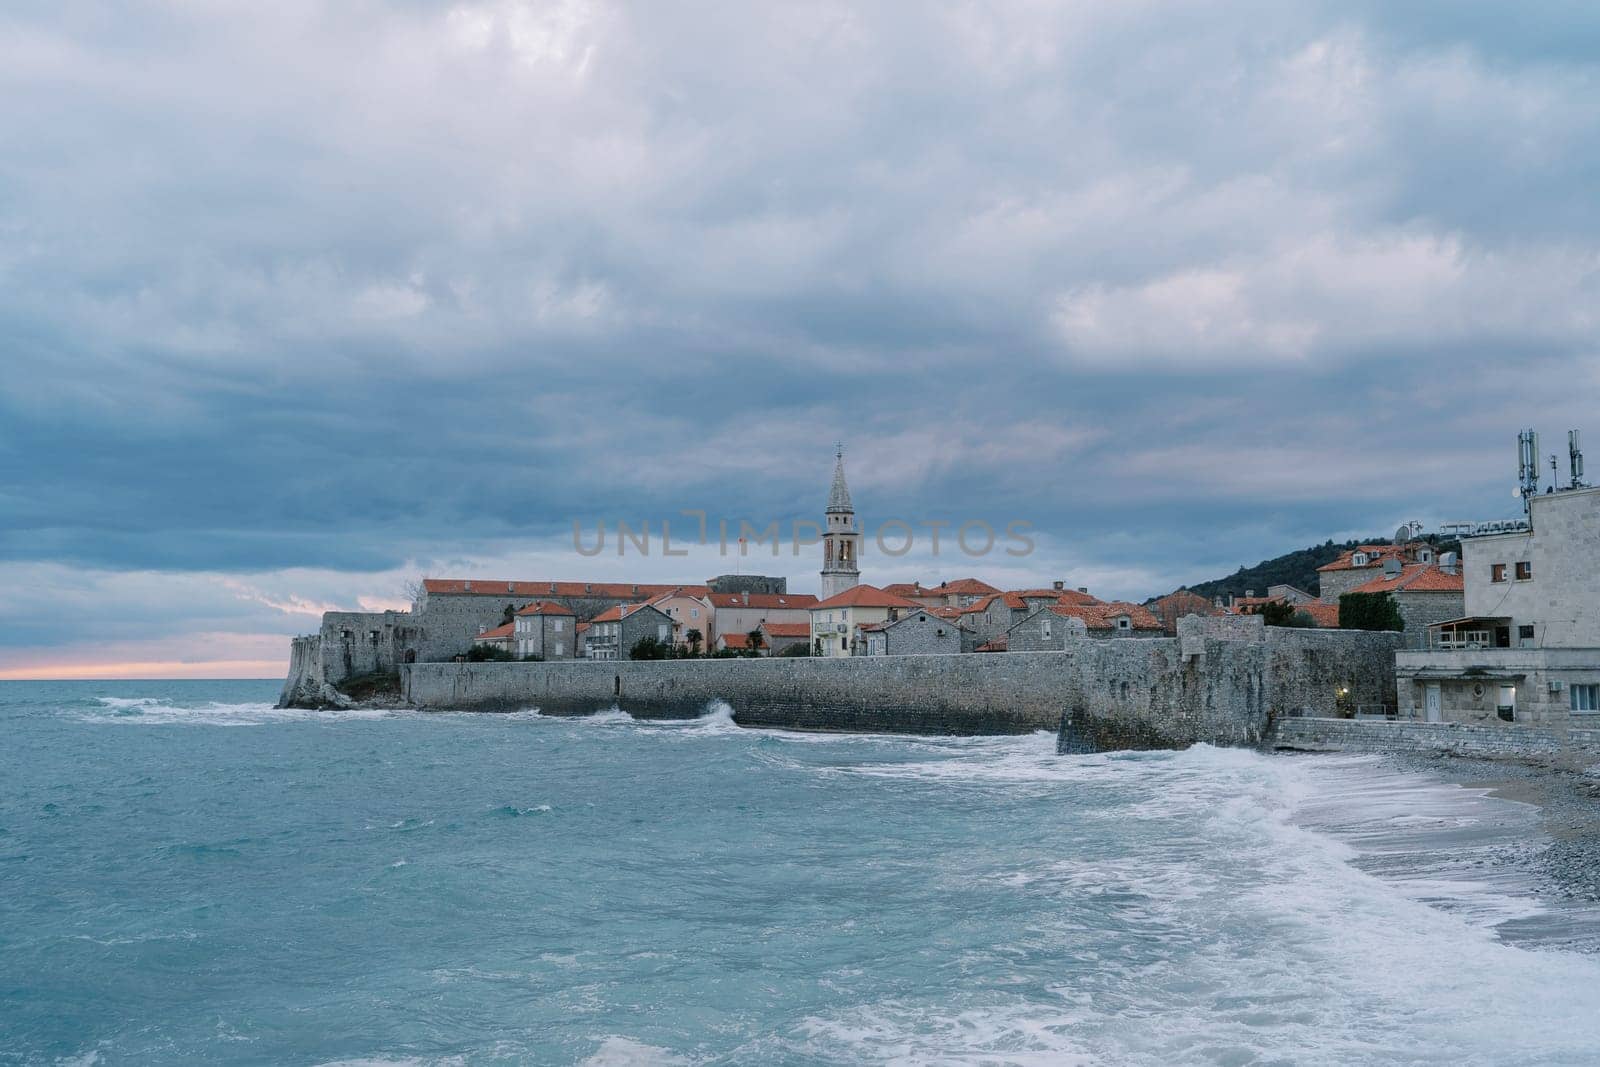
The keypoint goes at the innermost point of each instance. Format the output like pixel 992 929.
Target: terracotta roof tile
pixel 496 633
pixel 786 629
pixel 545 607
pixel 1325 615
pixel 1415 578
pixel 866 596
pixel 602 590
pixel 800 601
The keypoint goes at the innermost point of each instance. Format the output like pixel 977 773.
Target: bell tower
pixel 841 541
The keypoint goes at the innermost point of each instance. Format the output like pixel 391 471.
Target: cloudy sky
pixel 300 301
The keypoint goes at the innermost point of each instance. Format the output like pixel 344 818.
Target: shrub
pixel 649 648
pixel 799 648
pixel 489 654
pixel 1369 611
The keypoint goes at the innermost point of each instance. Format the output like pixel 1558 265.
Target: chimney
pixel 1060 585
pixel 1083 589
pixel 552 588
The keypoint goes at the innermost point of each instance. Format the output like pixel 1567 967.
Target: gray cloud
pixel 352 287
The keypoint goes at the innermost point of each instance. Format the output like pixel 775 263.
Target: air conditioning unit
pixel 1556 687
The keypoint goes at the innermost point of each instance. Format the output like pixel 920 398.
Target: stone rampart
pixel 1132 693
pixel 1503 741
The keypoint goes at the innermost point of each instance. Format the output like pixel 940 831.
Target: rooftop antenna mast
pixel 1575 456
pixel 1528 466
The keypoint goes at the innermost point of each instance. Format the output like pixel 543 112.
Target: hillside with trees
pixel 1297 568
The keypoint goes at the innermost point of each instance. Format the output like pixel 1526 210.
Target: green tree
pixel 694 637
pixel 648 648
pixel 756 643
pixel 1369 611
pixel 488 654
pixel 1277 613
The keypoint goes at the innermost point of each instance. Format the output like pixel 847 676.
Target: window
pixel 1524 570
pixel 1525 636
pixel 694 613
pixel 558 625
pixel 1585 697
pixel 1497 572
pixel 560 649
pixel 1358 560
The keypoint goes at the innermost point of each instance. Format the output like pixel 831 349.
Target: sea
pixel 189 875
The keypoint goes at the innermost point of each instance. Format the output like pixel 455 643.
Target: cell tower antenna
pixel 1575 457
pixel 1528 466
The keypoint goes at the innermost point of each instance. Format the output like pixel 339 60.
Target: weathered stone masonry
pixel 1122 694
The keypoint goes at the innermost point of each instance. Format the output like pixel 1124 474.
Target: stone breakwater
pixel 1499 741
pixel 1222 684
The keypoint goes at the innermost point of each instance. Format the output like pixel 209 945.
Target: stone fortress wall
pixel 1219 681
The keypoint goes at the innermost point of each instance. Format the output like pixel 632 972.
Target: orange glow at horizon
pixel 147 669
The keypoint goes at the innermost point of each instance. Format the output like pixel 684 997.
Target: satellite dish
pixel 1403 534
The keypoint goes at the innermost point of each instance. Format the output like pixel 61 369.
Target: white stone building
pixel 1527 649
pixel 836 622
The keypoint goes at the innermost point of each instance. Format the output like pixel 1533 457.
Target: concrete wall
pixel 747 583
pixel 1469 681
pixel 1132 693
pixel 1419 610
pixel 1331 585
pixel 1045 631
pixel 1504 741
pixel 919 634
pixel 1562 599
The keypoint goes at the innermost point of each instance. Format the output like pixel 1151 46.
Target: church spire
pixel 841 541
pixel 839 495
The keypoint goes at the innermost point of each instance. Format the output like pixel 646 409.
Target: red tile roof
pixel 802 601
pixel 1375 554
pixel 618 612
pixel 866 596
pixel 1072 596
pixel 544 607
pixel 947 612
pixel 582 626
pixel 998 644
pixel 957 586
pixel 786 629
pixel 1103 616
pixel 496 634
pixel 603 590
pixel 1013 601
pixel 1325 615
pixel 1415 578
pixel 734 640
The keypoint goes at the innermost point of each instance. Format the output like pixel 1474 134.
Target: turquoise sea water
pixel 189 876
